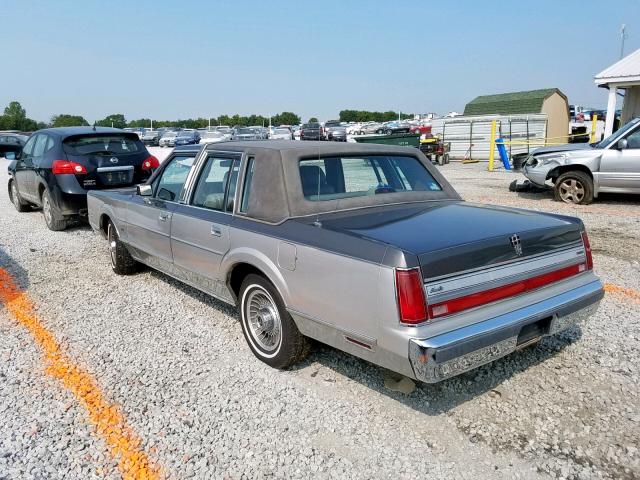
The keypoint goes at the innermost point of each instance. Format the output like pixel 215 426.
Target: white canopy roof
pixel 625 71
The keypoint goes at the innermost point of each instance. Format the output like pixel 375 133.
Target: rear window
pixel 101 145
pixel 346 177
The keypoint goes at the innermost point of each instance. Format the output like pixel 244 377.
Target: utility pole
pixel 623 37
pixel 152 124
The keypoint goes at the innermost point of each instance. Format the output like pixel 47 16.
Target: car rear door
pixel 200 228
pixel 148 226
pixel 620 168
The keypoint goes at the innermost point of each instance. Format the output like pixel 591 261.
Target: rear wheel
pixel 574 187
pixel 268 328
pixel 20 205
pixel 52 216
pixel 121 260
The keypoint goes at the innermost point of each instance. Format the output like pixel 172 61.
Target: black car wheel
pixel 20 205
pixel 122 262
pixel 52 216
pixel 268 328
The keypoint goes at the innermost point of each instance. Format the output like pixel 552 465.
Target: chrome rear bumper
pixel 452 353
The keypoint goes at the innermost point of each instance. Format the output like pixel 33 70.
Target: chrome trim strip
pixel 468 284
pixel 576 244
pixel 124 168
pixel 357 336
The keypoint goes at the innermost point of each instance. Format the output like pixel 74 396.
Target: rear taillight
pixel 459 304
pixel 587 250
pixel 65 167
pixel 410 293
pixel 150 163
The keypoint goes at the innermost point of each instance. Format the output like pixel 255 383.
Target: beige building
pixel 549 101
pixel 624 75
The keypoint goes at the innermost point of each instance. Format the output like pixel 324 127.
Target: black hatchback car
pixel 57 166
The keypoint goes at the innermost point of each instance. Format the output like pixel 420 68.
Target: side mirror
pixel 144 190
pixel 622 144
pixel 10 155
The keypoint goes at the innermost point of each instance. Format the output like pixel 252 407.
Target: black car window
pixel 28 148
pixel 345 177
pixel 102 144
pixel 39 147
pixel 216 186
pixel 3 139
pixel 170 183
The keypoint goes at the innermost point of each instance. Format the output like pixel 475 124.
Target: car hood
pixel 562 148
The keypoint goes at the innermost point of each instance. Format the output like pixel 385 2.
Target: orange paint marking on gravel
pixel 630 293
pixel 109 422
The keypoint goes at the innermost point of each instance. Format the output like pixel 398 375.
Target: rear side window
pixel 246 189
pixel 217 184
pixel 345 177
pixel 102 145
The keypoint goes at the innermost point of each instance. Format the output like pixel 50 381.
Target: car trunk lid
pixel 452 237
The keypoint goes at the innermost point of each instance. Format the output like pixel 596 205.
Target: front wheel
pixel 574 187
pixel 122 262
pixel 268 328
pixel 17 201
pixel 52 217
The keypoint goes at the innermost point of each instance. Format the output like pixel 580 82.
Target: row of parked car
pixel 364 247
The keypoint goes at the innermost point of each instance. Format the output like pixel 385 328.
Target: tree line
pixel 15 118
pixel 367 116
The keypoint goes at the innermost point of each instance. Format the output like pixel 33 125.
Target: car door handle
pixel 164 217
pixel 216 230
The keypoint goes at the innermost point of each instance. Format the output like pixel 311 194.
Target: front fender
pixel 260 261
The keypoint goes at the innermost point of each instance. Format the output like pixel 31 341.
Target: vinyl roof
pixel 510 103
pixel 626 69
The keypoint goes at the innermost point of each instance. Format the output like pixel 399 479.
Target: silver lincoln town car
pixel 366 248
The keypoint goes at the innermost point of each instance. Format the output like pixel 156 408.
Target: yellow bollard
pixel 492 145
pixel 594 125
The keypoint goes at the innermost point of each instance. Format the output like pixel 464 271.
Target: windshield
pixel 245 131
pixel 346 177
pixel 170 134
pixel 281 130
pixel 100 145
pixel 212 134
pixel 185 134
pixel 611 139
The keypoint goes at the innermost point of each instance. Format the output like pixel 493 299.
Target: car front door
pixel 148 225
pixel 25 171
pixel 620 167
pixel 200 228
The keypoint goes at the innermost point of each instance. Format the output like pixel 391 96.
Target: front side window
pixel 633 140
pixel 346 177
pixel 39 147
pixel 170 183
pixel 216 186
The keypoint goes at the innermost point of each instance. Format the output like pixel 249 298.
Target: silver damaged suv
pixel 580 172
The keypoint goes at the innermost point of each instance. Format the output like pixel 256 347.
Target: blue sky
pixel 180 59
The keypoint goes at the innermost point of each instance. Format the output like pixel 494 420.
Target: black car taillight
pixel 66 167
pixel 151 163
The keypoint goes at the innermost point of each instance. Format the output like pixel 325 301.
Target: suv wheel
pixel 268 328
pixel 574 187
pixel 20 205
pixel 122 262
pixel 52 217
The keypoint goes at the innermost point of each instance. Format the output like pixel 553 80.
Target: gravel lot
pixel 176 363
